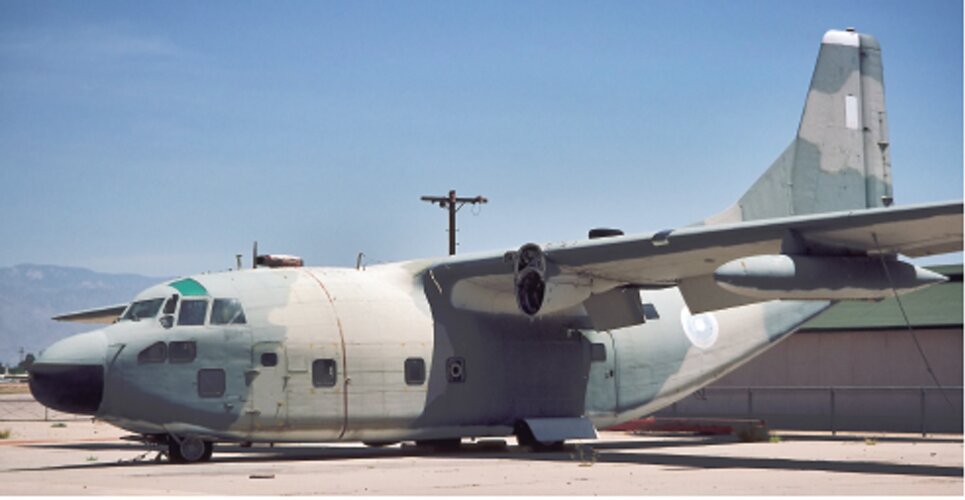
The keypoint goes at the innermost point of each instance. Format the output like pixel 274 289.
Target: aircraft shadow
pixel 609 452
pixel 719 462
pixel 230 453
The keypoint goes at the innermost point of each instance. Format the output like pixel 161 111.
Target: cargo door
pixel 268 392
pixel 316 389
pixel 601 390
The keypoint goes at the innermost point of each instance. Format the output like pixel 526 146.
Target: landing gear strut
pixel 189 449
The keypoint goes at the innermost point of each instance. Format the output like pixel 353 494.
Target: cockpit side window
pixel 155 353
pixel 227 312
pixel 143 309
pixel 192 312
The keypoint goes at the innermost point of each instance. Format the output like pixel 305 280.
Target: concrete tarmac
pixel 80 457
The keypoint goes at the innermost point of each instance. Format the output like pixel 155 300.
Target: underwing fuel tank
pixel 804 277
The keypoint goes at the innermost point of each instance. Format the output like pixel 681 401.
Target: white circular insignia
pixel 701 329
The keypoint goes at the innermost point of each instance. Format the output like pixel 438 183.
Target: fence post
pixel 750 402
pixel 834 430
pixel 922 394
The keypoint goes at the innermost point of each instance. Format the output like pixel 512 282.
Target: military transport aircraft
pixel 541 342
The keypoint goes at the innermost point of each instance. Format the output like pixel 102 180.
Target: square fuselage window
pixel 211 382
pixel 269 359
pixel 597 352
pixel 324 373
pixel 415 371
pixel 182 352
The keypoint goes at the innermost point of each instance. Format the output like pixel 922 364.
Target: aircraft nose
pixel 69 375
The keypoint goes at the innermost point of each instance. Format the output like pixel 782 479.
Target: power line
pixel 911 330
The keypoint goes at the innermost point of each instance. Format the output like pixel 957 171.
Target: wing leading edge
pixel 688 257
pixel 102 316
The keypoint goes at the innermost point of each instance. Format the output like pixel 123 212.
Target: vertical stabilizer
pixel 839 159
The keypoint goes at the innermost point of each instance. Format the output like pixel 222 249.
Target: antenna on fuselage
pixel 254 255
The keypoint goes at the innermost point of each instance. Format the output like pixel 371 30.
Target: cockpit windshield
pixel 142 309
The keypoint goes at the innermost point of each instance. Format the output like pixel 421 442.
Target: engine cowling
pixel 539 287
pixel 529 278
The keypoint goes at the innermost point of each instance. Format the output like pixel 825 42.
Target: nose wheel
pixel 189 449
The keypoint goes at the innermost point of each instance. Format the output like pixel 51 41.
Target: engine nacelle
pixel 529 278
pixel 541 289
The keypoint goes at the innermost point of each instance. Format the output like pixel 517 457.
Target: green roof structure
pixel 189 287
pixel 935 306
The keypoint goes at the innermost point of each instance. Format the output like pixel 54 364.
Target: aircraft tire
pixel 541 447
pixel 189 450
pixel 440 445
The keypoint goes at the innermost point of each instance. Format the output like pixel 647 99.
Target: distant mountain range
pixel 31 294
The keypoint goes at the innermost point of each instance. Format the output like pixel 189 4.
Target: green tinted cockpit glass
pixel 189 287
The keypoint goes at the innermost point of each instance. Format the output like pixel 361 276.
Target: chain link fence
pixel 24 408
pixel 841 408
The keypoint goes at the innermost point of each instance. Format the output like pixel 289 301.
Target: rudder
pixel 839 158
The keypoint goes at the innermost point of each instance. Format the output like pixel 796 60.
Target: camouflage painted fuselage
pixel 369 322
pixel 473 346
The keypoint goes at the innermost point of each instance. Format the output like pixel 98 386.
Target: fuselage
pixel 382 354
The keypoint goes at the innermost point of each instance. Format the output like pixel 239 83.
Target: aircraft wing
pixel 102 315
pixel 688 257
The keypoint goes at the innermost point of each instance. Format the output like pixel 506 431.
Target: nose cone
pixel 69 375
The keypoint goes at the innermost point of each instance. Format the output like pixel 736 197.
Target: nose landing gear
pixel 189 449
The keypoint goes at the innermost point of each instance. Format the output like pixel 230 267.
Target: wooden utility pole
pixel 453 204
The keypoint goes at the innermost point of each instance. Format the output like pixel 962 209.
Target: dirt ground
pixel 80 457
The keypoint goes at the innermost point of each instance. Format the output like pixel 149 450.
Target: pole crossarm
pixel 453 203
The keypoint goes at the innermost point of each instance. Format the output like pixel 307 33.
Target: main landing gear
pixel 439 445
pixel 189 449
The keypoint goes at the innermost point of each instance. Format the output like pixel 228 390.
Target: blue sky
pixel 162 138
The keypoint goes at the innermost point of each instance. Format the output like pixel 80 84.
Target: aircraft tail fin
pixel 839 159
